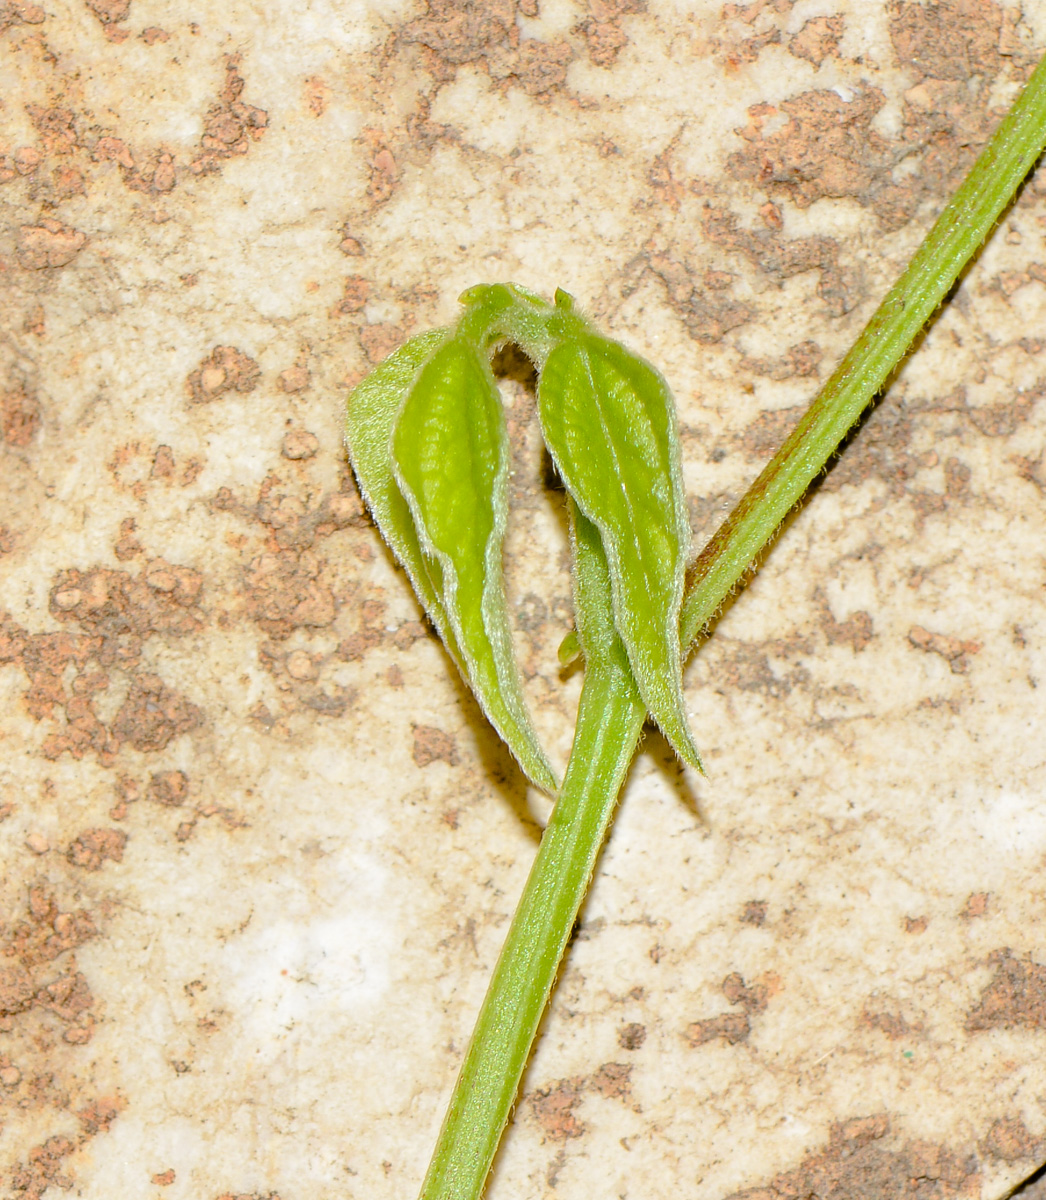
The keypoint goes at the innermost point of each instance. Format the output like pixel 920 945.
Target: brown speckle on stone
pixel 68 996
pixel 284 592
pixel 113 149
pixel 26 159
pixel 346 508
pixel 49 933
pixel 99 1114
pixel 43 1169
pixel 734 1027
pixel 153 715
pixel 19 416
pixel 261 716
pixel 832 147
pixel 855 631
pixel 1005 418
pixel 16 989
pixel 541 67
pixel 949 648
pixel 355 293
pixel 859 1161
pixel 191 472
pixel 169 788
pixel 487 35
pixel 752 998
pixel 115 604
pixel 433 745
pixel 127 546
pixel 299 444
pixel 612 1080
pixel 226 369
pixel 20 12
pixel 294 379
pixel 632 1036
pixel 1015 998
pixel 818 39
pixel 800 360
pixel 94 846
pixel 952 40
pixel 976 905
pixel 68 182
pixel 771 215
pixel 409 633
pixel 604 40
pixel 230 125
pixel 387 1166
pixel 56 127
pixel 49 244
pixel 383 175
pixel 110 11
pixel 128 790
pixel 1009 1140
pixel 35 321
pixel 1031 470
pixel 739 51
pixel 892 1024
pixel 554 1107
pixel 729 1027
pixel 957 477
pixel 163 463
pixel 317 95
pixel 708 314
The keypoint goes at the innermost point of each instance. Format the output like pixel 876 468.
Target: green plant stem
pixel 610 717
pixel 957 234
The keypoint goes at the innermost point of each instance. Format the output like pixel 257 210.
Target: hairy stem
pixel 611 716
pixel 956 236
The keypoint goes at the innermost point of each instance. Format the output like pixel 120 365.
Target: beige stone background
pixel 259 849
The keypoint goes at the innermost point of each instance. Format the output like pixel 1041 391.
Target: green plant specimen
pixel 427 440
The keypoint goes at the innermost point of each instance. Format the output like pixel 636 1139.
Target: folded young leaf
pixel 609 424
pixel 450 457
pixel 370 417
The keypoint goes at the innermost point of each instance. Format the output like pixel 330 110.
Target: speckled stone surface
pixel 259 849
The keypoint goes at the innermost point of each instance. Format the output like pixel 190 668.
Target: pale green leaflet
pixel 371 416
pixel 610 425
pixel 441 508
pixel 450 455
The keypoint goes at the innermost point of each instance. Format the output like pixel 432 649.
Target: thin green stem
pixel 958 233
pixel 610 716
